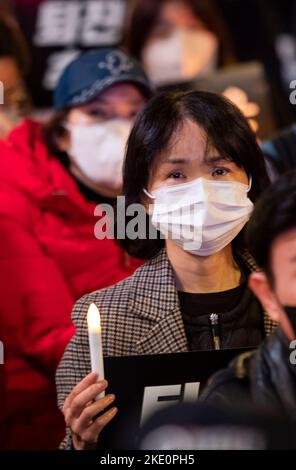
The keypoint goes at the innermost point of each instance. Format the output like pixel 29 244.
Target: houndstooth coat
pixel 139 315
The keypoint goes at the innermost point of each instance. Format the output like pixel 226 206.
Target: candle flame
pixel 93 318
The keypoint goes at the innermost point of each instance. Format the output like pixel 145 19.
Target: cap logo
pixel 116 63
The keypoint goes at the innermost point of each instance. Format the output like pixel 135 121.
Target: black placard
pixel 141 383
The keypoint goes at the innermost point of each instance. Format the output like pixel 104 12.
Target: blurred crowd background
pixel 38 38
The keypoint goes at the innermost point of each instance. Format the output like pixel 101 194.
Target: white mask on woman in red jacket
pixel 98 150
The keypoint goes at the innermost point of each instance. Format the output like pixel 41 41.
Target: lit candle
pixel 95 342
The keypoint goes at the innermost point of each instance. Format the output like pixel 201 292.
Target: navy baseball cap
pixel 93 72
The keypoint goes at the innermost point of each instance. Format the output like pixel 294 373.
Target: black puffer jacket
pixel 265 378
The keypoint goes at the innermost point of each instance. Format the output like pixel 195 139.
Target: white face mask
pixel 202 216
pixel 182 56
pixel 98 150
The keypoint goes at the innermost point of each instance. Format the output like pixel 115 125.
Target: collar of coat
pixel 154 296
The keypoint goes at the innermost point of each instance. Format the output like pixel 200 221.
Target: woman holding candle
pixel 191 160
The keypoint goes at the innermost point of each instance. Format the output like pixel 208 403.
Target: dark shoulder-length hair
pixel 226 130
pixel 144 15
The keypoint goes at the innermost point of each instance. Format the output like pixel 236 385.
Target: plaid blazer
pixel 139 315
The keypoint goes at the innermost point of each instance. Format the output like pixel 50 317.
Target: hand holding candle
pixel 84 409
pixel 95 342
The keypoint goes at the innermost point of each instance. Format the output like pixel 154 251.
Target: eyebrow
pixel 207 160
pixel 174 161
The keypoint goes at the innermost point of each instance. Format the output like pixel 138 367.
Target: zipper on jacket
pixel 214 320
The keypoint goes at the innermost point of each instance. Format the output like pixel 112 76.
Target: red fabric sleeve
pixel 35 302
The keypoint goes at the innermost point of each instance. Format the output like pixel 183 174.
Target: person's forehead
pixel 189 140
pixel 119 91
pixel 177 13
pixel 109 98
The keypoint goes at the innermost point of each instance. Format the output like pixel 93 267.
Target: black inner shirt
pixel 205 304
pixel 240 318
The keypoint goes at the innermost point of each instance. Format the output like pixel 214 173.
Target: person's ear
pixel 259 284
pixel 63 141
pixel 147 201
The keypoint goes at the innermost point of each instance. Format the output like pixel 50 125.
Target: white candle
pixel 95 342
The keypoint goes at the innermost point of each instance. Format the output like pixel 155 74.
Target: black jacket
pixel 264 378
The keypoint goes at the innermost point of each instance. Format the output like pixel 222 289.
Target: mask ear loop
pixel 67 126
pixel 250 184
pixel 148 194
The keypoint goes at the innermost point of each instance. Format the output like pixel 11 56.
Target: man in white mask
pixel 175 40
pixel 179 41
pixel 181 56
